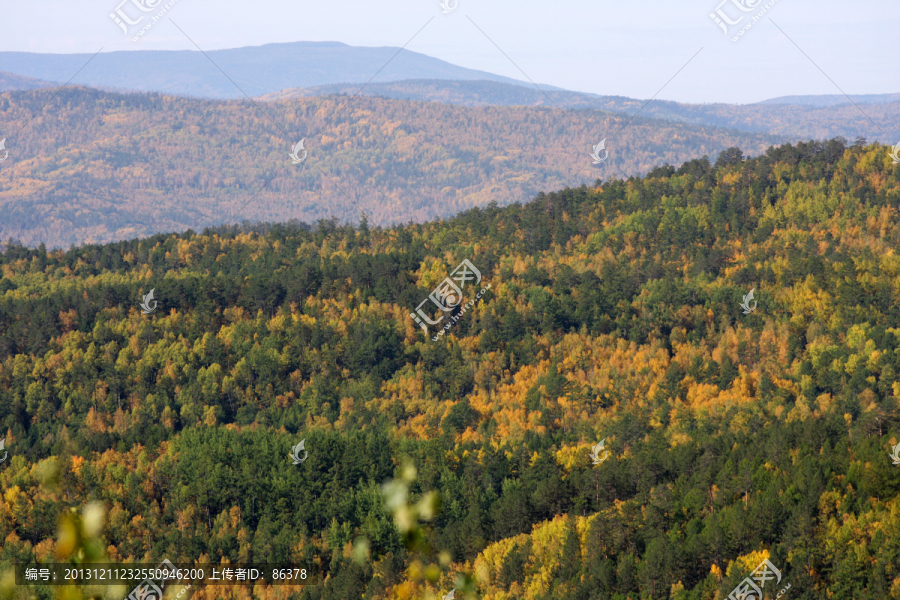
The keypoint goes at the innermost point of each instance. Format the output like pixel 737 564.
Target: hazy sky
pixel 619 47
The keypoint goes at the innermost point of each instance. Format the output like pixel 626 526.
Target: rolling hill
pixel 310 69
pixel 97 166
pixel 797 117
pixel 11 82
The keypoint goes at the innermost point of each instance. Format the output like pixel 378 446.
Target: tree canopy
pixel 614 313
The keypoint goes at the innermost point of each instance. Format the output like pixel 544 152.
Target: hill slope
pixel 97 166
pixel 613 314
pixel 11 81
pixel 804 119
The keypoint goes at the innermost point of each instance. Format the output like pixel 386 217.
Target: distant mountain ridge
pixel 258 70
pixel 834 99
pixel 308 69
pixel 797 121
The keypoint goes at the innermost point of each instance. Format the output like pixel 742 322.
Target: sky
pixel 637 48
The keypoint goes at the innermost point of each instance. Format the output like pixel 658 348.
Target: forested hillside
pixel 795 117
pixel 614 313
pixel 99 167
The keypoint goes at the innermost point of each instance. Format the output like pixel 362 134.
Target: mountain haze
pixel 305 69
pixel 258 70
pixel 835 99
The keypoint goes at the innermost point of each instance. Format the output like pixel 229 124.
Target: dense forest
pixel 614 313
pixel 90 166
pixel 787 117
